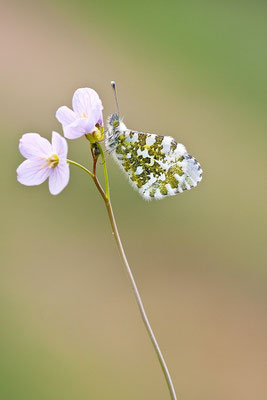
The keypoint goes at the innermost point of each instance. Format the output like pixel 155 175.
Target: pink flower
pixel 87 112
pixel 44 160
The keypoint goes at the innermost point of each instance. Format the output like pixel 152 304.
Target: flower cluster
pixel 86 116
pixel 49 160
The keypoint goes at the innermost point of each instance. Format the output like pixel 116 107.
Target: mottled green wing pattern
pixel 157 166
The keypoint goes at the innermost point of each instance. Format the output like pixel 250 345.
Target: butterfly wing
pixel 157 166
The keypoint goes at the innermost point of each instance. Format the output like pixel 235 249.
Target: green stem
pixel 140 303
pixel 104 170
pixel 96 181
pixel 106 198
pixel 81 166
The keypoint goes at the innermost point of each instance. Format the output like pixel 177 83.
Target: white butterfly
pixel 157 166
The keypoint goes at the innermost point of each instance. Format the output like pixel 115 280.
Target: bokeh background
pixel 70 327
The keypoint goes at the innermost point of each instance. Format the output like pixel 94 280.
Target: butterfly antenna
pixel 113 85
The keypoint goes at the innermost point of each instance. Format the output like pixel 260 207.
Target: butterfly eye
pixel 116 123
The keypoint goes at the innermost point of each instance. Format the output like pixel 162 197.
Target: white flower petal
pixel 65 115
pixel 59 178
pixel 32 172
pixel 33 145
pixel 59 145
pixel 78 128
pixel 84 100
pixel 95 101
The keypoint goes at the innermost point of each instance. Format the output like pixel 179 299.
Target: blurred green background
pixel 70 327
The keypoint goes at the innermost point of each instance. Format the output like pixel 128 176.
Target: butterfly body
pixel 157 166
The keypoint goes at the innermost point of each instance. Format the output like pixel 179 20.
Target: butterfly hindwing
pixel 157 166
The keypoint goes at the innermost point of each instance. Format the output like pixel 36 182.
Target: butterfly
pixel 157 166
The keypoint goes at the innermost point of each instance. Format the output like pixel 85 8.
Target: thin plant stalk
pixel 106 198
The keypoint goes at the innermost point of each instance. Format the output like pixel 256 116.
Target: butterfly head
pixel 115 127
pixel 115 123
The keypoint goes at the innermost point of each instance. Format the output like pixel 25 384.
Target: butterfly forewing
pixel 157 166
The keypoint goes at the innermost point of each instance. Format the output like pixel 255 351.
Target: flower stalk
pixel 106 197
